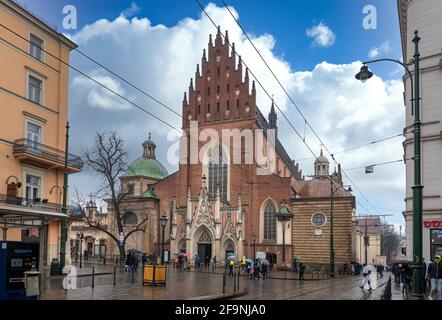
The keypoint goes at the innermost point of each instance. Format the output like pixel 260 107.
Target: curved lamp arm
pixel 406 69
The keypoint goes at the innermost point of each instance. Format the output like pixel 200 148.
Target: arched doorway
pixel 204 245
pixel 229 249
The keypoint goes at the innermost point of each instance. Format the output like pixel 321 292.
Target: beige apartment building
pixel 424 16
pixel 34 114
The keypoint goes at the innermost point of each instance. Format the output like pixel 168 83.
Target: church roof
pixel 149 194
pixel 320 188
pixel 146 167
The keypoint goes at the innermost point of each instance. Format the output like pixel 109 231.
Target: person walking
pixel 264 270
pixel 435 275
pixel 405 276
pixel 366 273
pixel 231 265
pixel 301 269
pixel 197 262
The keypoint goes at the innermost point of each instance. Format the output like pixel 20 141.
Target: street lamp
pixel 163 220
pixel 364 74
pixel 80 236
pixel 254 245
pixel 284 215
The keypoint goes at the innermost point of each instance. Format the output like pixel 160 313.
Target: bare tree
pixel 107 159
pixel 390 242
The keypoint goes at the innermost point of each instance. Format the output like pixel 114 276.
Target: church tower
pixel 220 92
pixel 322 165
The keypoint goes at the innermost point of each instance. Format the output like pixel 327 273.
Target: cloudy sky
pixel 314 47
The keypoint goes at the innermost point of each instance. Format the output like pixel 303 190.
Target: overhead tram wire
pixel 270 97
pixel 288 95
pixel 360 146
pixel 102 85
pixel 89 77
pixel 379 164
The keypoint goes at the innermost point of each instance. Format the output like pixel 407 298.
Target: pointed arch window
pixel 218 173
pixel 270 221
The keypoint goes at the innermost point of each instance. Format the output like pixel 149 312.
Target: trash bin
pixel 32 284
pixel 55 267
pixel 154 275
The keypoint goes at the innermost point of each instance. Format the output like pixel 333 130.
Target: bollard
pixel 234 283
pixel 93 277
pixel 224 282
pixel 237 282
pixel 115 274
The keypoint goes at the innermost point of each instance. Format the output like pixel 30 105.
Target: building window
pixel 237 104
pixel 217 106
pixel 318 219
pixel 217 89
pixel 34 137
pixel 228 105
pixel 130 189
pixel 218 173
pixel 208 91
pixel 217 72
pixel 36 47
pixel 130 218
pixel 33 186
pixel 35 89
pixel 270 221
pixel 208 108
pixel 199 109
pixel 228 87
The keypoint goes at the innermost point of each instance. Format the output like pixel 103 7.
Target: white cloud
pixel 131 11
pixel 322 35
pixel 161 60
pixel 383 49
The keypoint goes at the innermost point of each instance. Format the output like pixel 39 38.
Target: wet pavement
pixel 180 285
pixel 206 285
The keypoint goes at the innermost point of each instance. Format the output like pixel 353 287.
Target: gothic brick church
pixel 216 208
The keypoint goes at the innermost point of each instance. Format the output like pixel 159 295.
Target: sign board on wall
pixel 260 255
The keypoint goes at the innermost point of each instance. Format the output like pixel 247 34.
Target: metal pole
pixel 93 277
pixel 283 240
pixel 81 249
pixel 254 249
pixel 115 274
pixel 332 250
pixel 63 229
pixel 366 241
pixel 417 188
pixel 162 247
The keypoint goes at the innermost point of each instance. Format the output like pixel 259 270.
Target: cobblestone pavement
pixel 188 285
pixel 343 288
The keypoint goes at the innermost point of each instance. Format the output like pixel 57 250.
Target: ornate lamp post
pixel 254 245
pixel 284 215
pixel 163 220
pixel 366 74
pixel 80 236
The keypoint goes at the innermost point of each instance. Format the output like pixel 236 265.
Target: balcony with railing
pixel 37 203
pixel 34 153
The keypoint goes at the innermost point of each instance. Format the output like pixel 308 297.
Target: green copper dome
pixel 147 165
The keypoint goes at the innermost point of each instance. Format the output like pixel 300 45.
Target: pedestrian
pixel 295 265
pixel 405 278
pixel 424 275
pixel 251 271
pixel 264 270
pixel 197 262
pixel 345 267
pixel 256 269
pixel 366 273
pixel 231 265
pixel 352 268
pixel 301 269
pixel 435 275
pixel 396 273
pixel 144 259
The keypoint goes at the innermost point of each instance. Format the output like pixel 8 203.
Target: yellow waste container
pixel 154 275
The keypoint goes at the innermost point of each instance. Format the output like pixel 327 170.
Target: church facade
pixel 216 207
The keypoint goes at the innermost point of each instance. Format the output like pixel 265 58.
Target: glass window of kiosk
pixel 436 242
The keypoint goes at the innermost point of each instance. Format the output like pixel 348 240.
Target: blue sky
pixel 319 77
pixel 285 20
